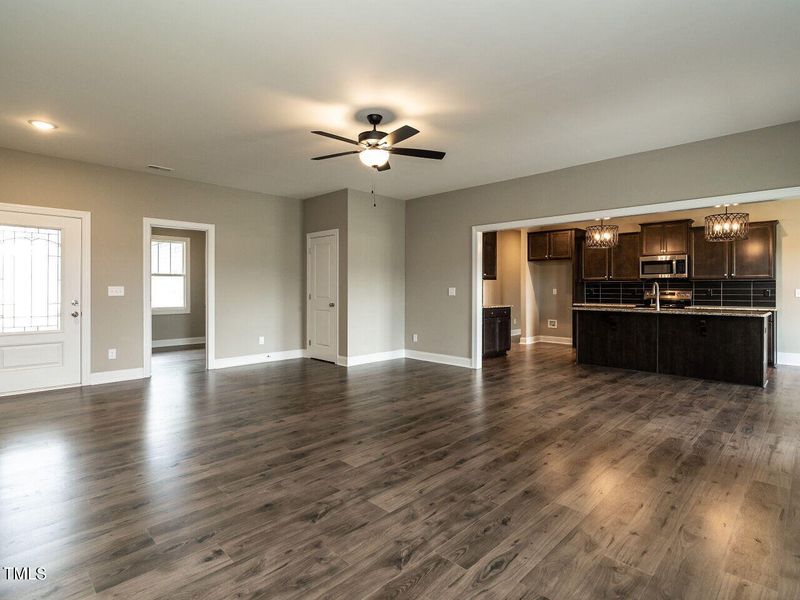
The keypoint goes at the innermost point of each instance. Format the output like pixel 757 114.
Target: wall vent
pixel 160 168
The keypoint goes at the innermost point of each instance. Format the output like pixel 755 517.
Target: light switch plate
pixel 451 291
pixel 112 354
pixel 414 338
pixel 116 290
pixel 555 291
pixel 797 293
pixel 261 340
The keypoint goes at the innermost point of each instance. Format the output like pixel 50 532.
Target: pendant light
pixel 727 226
pixel 602 235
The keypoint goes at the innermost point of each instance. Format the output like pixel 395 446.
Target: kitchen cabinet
pixel 721 348
pixel 496 330
pixel 619 340
pixel 551 245
pixel 490 255
pixel 752 258
pixel 625 258
pixel 709 259
pixel 620 263
pixel 595 263
pixel 668 237
pixel 707 346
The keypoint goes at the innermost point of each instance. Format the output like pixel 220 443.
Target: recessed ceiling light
pixel 43 125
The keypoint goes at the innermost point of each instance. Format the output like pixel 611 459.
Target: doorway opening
pixel 178 297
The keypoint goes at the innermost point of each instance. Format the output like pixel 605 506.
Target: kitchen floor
pixel 533 478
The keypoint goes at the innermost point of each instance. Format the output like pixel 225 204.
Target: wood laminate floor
pixel 531 479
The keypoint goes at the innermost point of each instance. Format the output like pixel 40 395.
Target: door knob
pixel 75 313
pixel 331 304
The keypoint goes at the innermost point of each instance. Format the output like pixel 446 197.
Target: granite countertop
pixel 498 306
pixel 710 311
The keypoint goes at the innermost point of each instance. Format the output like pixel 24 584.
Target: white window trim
pixel 187 282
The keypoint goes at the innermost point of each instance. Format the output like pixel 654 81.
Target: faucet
pixel 656 291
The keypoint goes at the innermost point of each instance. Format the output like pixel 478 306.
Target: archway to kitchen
pixel 545 243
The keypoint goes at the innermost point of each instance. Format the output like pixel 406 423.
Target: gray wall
pixel 259 262
pixel 322 213
pixel 546 276
pixel 193 323
pixel 438 228
pixel 506 288
pixel 376 274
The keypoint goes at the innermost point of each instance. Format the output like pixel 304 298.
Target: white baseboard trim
pixel 364 359
pixel 444 359
pixel 552 339
pixel 524 341
pixel 791 359
pixel 114 376
pixel 515 332
pixel 254 359
pixel 179 342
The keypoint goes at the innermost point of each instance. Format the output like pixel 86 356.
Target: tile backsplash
pixel 705 293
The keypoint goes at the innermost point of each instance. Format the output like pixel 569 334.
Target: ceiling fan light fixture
pixel 374 157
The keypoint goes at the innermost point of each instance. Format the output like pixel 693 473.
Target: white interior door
pixel 323 281
pixel 40 301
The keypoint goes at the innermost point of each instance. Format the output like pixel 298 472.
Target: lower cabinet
pixel 496 331
pixel 732 349
pixel 620 340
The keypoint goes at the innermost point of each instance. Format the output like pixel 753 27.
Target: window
pixel 30 279
pixel 169 275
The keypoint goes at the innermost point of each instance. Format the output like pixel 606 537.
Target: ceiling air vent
pixel 160 168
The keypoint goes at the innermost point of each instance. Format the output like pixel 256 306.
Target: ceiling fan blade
pixel 400 134
pixel 384 167
pixel 436 155
pixel 335 155
pixel 333 136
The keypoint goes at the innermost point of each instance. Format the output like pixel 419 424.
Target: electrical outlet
pixel 515 321
pixel 414 338
pixel 555 291
pixel 261 340
pixel 797 293
pixel 112 354
pixel 552 323
pixel 451 291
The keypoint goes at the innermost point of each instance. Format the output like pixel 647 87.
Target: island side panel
pixel 618 339
pixel 732 349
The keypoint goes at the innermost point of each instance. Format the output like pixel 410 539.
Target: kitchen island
pixel 723 345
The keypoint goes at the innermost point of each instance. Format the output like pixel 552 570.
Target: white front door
pixel 40 301
pixel 323 280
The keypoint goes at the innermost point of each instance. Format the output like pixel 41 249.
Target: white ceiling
pixel 227 91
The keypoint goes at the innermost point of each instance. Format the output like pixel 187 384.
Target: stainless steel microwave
pixel 666 266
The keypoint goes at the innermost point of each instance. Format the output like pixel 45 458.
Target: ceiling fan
pixel 375 146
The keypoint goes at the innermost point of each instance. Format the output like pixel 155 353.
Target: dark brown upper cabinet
pixel 753 258
pixel 595 263
pixel 620 263
pixel 551 245
pixel 490 255
pixel 709 259
pixel 625 258
pixel 668 237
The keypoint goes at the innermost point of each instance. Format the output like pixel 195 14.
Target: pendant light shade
pixel 727 226
pixel 602 236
